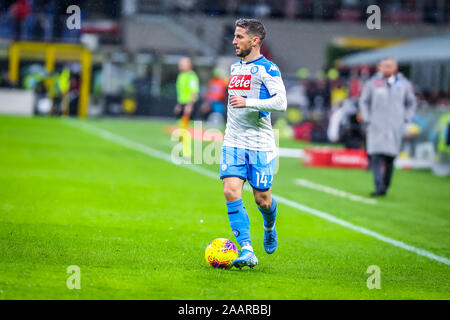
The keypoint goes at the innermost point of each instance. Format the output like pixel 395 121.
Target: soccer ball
pixel 220 253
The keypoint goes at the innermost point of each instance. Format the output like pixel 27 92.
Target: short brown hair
pixel 254 27
pixel 388 58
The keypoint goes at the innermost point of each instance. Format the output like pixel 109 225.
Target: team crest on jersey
pixel 254 70
pixel 240 82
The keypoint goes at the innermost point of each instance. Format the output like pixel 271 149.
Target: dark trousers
pixel 382 167
pixel 17 29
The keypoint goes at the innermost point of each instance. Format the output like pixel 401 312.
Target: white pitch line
pixel 335 192
pixel 107 135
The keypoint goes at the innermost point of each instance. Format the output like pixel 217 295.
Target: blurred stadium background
pixel 69 197
pixel 124 60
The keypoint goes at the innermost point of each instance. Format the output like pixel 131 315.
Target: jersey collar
pixel 251 61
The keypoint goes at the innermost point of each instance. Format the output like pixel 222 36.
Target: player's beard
pixel 243 53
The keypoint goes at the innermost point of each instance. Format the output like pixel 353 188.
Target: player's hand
pixel 237 101
pixel 359 117
pixel 177 109
pixel 188 108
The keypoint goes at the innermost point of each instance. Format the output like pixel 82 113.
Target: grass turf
pixel 132 223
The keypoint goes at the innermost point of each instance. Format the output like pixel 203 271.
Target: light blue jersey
pixel 259 81
pixel 249 149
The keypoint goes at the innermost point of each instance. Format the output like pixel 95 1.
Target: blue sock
pixel 269 215
pixel 239 222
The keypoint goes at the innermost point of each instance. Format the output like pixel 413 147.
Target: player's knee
pixel 263 202
pixel 232 193
pixel 264 205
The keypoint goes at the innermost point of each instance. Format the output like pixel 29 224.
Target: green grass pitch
pixel 137 226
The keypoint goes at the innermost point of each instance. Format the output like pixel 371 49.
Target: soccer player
pixel 187 94
pixel 187 91
pixel 249 152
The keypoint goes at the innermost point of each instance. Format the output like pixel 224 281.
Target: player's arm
pixel 277 102
pixel 410 103
pixel 364 102
pixel 194 86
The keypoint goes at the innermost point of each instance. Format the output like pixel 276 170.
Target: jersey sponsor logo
pixel 240 82
pixel 272 67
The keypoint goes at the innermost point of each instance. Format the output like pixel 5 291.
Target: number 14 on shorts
pixel 261 179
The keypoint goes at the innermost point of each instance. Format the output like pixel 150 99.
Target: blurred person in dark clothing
pixel 5 82
pixel 319 96
pixel 387 103
pixel 19 11
pixel 42 28
pixel 344 127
